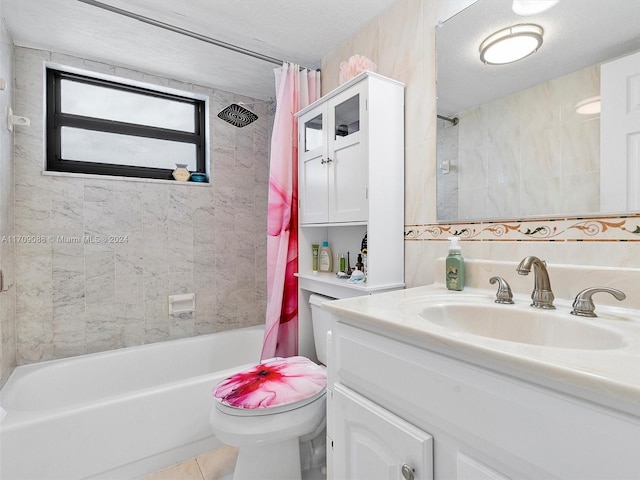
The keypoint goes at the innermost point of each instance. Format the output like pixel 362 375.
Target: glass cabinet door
pixel 313 133
pixel 347 117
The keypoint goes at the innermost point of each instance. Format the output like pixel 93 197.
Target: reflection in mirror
pixel 523 147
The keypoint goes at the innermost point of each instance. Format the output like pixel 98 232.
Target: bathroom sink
pixel 549 328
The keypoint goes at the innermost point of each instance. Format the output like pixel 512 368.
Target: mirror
pixel 518 148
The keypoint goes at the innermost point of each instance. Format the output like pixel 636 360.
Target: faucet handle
pixel 583 306
pixel 503 295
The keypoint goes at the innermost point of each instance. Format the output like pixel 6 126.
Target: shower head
pixel 237 115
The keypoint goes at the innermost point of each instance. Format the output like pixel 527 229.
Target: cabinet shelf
pixel 333 279
pixel 334 224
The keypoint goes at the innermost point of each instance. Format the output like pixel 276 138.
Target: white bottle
pixel 325 258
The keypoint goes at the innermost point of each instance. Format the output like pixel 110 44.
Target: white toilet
pixel 269 435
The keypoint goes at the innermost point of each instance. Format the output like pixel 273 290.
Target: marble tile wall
pixel 7 298
pixel 401 41
pixel 530 154
pixel 75 298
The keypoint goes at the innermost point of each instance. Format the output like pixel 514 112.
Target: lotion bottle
pixel 325 258
pixel 454 266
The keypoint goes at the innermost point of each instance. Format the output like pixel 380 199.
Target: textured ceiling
pixel 300 31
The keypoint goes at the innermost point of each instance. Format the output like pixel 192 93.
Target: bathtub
pixel 118 414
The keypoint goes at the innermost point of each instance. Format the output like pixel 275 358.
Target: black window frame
pixel 56 119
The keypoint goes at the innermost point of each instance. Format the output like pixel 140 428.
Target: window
pixel 98 126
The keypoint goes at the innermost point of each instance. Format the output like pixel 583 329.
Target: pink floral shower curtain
pixel 295 89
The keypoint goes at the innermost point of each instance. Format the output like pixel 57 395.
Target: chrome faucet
pixel 542 295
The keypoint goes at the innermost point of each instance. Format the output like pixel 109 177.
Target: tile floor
pixel 215 465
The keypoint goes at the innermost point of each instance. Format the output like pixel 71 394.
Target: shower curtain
pixel 295 89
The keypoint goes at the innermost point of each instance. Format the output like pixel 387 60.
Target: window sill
pixel 124 179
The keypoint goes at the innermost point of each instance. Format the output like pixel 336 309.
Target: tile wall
pixel 531 154
pixel 75 298
pixel 401 41
pixel 7 298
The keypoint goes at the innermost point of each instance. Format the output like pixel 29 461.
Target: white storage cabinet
pixel 351 183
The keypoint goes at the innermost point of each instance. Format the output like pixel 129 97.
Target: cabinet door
pixel 347 152
pixel 313 168
pixel 371 443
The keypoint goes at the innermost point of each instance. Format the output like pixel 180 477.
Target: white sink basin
pixel 549 328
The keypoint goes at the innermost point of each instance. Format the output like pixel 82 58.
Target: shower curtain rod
pixel 182 31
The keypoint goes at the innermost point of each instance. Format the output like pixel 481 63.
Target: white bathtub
pixel 118 414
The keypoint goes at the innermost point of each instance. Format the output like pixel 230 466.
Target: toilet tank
pixel 322 323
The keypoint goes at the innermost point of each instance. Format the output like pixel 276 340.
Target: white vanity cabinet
pixel 483 424
pixel 375 444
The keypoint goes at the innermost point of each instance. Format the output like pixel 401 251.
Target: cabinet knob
pixel 407 472
pixel 323 161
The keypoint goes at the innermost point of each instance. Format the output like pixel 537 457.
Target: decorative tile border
pixel 596 229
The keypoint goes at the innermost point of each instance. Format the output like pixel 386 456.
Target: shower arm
pixel 453 120
pixel 256 103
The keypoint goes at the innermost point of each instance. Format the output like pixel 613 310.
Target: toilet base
pixel 269 461
pixel 269 444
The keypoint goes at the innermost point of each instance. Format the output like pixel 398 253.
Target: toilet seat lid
pixel 276 384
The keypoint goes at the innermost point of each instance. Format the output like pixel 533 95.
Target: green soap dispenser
pixel 455 266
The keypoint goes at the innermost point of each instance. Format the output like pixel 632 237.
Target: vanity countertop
pixel 609 376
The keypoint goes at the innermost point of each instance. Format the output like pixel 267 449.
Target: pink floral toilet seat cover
pixel 275 382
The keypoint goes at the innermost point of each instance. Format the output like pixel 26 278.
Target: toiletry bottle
pixel 343 263
pixel 325 258
pixel 455 266
pixel 315 248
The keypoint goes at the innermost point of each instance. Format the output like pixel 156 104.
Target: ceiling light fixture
pixel 589 106
pixel 511 44
pixel 531 7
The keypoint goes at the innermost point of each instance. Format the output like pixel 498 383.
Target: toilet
pixel 269 410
